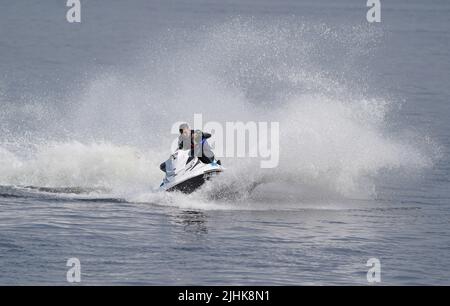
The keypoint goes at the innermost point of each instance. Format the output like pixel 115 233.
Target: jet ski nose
pixel 186 173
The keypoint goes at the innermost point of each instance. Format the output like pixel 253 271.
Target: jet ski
pixel 187 173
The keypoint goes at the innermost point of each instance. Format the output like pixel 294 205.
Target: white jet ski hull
pixel 187 174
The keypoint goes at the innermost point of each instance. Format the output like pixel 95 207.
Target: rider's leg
pixel 207 155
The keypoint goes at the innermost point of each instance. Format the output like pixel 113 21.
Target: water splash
pixel 312 78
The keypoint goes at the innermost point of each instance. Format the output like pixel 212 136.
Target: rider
pixel 196 142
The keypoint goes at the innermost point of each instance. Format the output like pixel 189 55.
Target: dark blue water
pixel 364 168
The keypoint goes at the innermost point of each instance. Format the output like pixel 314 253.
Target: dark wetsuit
pixel 198 145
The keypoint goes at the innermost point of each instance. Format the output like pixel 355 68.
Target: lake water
pixel 86 116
